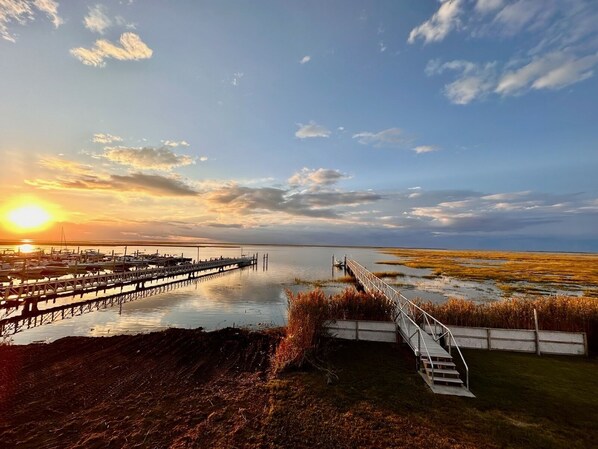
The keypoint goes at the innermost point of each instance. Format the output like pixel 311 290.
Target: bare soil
pixel 188 389
pixel 177 388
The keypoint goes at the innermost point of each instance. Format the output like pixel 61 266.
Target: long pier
pixel 434 362
pixel 12 325
pixel 29 294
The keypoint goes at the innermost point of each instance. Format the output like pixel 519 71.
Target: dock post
pixel 537 332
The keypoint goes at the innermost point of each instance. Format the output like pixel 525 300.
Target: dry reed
pixel 308 311
pixel 558 313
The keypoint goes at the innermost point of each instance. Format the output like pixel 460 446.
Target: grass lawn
pixel 522 401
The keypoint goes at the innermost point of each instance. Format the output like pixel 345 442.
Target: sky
pixel 416 123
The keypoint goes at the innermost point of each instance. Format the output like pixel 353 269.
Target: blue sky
pixel 463 123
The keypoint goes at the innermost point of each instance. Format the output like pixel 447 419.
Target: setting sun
pixel 29 217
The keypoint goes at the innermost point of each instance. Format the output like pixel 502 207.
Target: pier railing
pixel 84 283
pixel 410 315
pixel 15 324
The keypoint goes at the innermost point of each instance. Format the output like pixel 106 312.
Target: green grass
pixel 522 401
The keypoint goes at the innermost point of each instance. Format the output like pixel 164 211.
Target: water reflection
pixel 249 298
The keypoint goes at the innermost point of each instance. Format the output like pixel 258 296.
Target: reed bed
pixel 558 313
pixel 308 311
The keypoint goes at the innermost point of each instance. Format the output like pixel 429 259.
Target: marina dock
pixel 29 294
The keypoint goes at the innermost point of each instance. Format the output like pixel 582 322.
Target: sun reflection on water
pixel 26 247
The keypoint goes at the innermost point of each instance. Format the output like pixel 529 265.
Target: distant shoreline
pixel 184 244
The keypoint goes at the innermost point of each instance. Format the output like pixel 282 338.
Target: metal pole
pixel 537 332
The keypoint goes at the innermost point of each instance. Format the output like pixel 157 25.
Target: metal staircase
pixel 426 336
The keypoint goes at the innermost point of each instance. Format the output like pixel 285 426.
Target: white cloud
pixel 486 6
pixel 515 16
pixel 470 87
pixel 105 138
pixel 473 81
pixel 552 71
pixel 440 24
pixel 508 196
pixel 131 48
pixel 311 130
pixel 97 20
pixel 237 78
pixel 23 11
pixel 560 47
pixel 319 177
pixel 502 213
pixel 50 7
pixel 305 59
pixel 162 158
pixel 425 149
pixel 381 47
pixel 174 143
pixel 203 158
pixel 387 137
pixel 557 22
pixel 122 22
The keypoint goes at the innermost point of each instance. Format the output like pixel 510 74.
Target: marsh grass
pixel 558 313
pixel 388 274
pixel 308 311
pixel 555 270
pixel 320 283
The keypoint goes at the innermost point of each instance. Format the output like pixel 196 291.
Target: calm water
pixel 249 297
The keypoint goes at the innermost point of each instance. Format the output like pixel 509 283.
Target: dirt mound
pixel 177 388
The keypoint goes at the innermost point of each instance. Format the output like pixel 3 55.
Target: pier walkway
pixel 433 351
pixel 28 294
pixel 14 324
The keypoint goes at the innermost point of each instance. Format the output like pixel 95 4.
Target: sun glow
pixel 29 217
pixel 26 248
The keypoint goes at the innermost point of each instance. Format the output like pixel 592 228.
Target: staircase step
pixel 447 380
pixel 440 372
pixel 439 364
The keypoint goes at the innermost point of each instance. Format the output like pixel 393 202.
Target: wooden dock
pixel 30 293
pixel 18 323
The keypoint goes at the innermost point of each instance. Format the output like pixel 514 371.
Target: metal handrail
pixel 404 302
pixel 375 284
